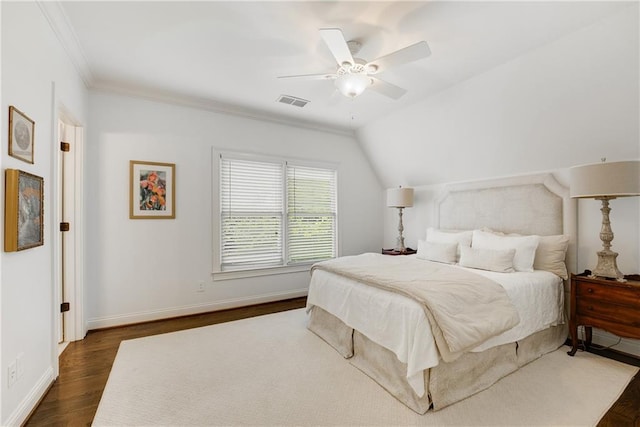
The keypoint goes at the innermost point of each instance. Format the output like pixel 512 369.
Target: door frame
pixel 74 325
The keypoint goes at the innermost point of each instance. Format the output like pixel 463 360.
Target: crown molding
pixel 62 28
pixel 59 23
pixel 216 106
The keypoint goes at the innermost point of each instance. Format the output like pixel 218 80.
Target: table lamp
pixel 606 181
pixel 400 198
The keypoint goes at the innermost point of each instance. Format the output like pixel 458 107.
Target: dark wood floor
pixel 85 365
pixel 626 410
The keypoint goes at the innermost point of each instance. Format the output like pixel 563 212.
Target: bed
pixel 428 354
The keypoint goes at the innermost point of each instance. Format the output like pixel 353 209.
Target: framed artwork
pixel 23 210
pixel 21 130
pixel 152 190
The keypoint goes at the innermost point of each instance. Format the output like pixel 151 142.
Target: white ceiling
pixel 226 55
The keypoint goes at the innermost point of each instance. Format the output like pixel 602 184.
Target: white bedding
pixel 399 323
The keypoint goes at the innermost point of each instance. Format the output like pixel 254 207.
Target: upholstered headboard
pixel 528 204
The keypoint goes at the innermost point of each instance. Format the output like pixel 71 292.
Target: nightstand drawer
pixel 614 292
pixel 596 309
pixel 605 304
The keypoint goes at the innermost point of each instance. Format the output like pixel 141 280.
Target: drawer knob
pixel 591 307
pixel 590 290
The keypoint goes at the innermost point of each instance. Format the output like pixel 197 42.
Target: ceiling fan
pixel 354 75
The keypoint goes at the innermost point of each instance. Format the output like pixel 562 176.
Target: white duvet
pixel 399 323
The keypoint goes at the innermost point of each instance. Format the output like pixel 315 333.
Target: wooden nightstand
pixel 606 304
pixel 394 252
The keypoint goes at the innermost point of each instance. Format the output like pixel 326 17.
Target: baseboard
pixel 28 404
pixel 146 316
pixel 606 345
pixel 605 339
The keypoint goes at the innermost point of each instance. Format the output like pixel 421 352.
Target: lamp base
pixel 400 240
pixel 607 266
pixel 400 246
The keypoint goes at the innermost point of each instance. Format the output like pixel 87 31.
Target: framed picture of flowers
pixel 152 190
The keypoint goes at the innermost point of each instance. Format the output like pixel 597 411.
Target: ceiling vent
pixel 292 100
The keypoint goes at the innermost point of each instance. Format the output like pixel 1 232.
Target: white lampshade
pixel 400 197
pixel 352 85
pixel 614 179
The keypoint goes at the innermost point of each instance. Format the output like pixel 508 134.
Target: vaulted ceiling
pixel 227 55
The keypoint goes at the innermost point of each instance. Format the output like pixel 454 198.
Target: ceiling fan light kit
pixel 354 76
pixel 352 85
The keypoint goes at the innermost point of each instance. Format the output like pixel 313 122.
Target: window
pixel 311 213
pixel 275 212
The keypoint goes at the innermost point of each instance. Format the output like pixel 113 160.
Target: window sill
pixel 242 274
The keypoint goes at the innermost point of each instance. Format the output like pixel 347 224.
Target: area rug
pixel 270 370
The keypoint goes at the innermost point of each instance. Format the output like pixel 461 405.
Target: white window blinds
pixel 275 213
pixel 251 204
pixel 311 214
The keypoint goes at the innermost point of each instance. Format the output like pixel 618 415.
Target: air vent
pixel 292 100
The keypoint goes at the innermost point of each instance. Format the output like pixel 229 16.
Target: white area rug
pixel 270 370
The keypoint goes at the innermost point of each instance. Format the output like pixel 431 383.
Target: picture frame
pixel 152 193
pixel 23 210
pixel 21 135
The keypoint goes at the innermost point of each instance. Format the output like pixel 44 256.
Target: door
pixel 69 214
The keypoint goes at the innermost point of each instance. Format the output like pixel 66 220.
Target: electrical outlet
pixel 12 374
pixel 200 287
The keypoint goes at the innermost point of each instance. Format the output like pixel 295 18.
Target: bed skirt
pixel 446 383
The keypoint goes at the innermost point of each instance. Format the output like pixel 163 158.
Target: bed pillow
pixel 551 253
pixel 439 252
pixel 461 238
pixel 525 247
pixel 500 260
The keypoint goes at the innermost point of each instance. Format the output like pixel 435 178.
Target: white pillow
pixel 461 238
pixel 439 252
pixel 500 260
pixel 525 247
pixel 551 253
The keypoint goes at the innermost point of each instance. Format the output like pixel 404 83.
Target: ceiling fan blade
pixel 386 88
pixel 402 56
pixel 327 76
pixel 334 39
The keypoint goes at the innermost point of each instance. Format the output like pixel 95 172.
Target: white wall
pixel 568 103
pixel 33 63
pixel 142 269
